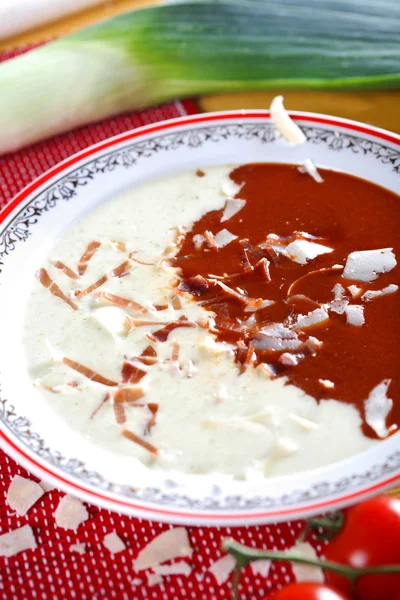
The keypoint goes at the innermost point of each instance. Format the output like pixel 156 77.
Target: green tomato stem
pixel 244 555
pixel 331 525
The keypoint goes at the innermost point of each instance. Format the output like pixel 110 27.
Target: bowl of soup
pixel 202 319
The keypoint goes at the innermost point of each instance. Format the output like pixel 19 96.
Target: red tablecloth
pixel 52 571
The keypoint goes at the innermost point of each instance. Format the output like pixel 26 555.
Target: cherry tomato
pixel 370 537
pixel 309 591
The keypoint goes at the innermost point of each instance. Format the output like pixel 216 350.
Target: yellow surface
pixel 378 108
pixel 106 9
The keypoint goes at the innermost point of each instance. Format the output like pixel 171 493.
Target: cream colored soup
pixel 209 419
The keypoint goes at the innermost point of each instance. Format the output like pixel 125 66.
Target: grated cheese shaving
pixel 303 572
pixel 229 188
pixel 338 291
pixel 303 422
pixel 367 265
pixel 113 543
pixel 288 360
pixel 223 238
pixel 309 168
pixel 261 567
pixel 314 317
pixel 232 207
pixel 372 294
pixel 22 494
pixel 338 306
pixel 326 383
pixel 70 513
pixel 301 251
pixel 47 487
pixel 355 315
pixel 113 320
pixel 222 568
pixel 170 544
pixel 377 407
pixel 354 290
pixel 179 568
pixel 79 548
pixel 16 541
pixel 198 241
pixel 153 579
pixel 286 127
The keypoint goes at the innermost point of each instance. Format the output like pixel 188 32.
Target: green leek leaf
pixel 155 54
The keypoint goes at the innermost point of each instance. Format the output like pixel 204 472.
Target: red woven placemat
pixel 52 571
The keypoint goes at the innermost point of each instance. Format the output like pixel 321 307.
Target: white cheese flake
pixel 198 241
pixel 266 342
pixel 279 331
pixel 309 168
pixel 367 265
pixel 55 354
pixel 303 572
pixel 223 238
pixel 70 513
pixel 178 568
pixel 285 125
pixel 288 360
pixel 377 407
pixel 222 393
pixel 326 383
pixel 261 567
pixel 47 487
pixel 303 422
pixel 113 320
pixel 355 291
pixel 170 544
pixel 79 548
pixel 315 317
pixel 23 494
pixel 338 306
pixel 301 251
pixel 113 543
pixel 222 568
pixel 338 291
pixel 229 188
pixel 16 541
pixel 210 347
pixel 355 315
pixel 372 294
pixel 232 207
pixel 153 579
pixel 285 447
pixel 263 304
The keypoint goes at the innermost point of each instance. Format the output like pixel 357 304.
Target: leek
pixel 155 54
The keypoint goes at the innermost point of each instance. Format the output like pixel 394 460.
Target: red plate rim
pixel 148 510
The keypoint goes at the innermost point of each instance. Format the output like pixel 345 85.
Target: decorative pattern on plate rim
pixel 21 428
pixel 65 188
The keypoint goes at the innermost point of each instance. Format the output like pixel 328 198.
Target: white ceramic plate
pixel 29 227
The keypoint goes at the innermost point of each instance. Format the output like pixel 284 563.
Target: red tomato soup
pixel 298 290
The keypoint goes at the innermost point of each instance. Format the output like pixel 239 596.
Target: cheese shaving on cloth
pixel 222 568
pixel 113 543
pixel 16 541
pixel 170 544
pixel 23 494
pixel 70 513
pixel 306 572
pixel 286 127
